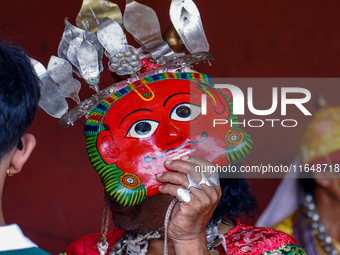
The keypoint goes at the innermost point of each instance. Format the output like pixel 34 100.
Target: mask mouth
pixel 184 154
pixel 148 158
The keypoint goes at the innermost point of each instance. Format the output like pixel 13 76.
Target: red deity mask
pixel 131 133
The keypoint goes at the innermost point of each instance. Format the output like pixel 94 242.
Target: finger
pixel 173 178
pixel 201 165
pixel 198 161
pixel 192 182
pixel 199 202
pixel 170 189
pixel 183 167
pixel 178 179
pixel 179 166
pixel 210 176
pixel 215 178
pixel 212 192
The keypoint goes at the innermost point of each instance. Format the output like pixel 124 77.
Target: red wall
pixel 57 197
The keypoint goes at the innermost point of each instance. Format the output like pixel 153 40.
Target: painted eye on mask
pixel 185 112
pixel 142 129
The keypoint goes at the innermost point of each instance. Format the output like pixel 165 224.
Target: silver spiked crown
pixel 100 30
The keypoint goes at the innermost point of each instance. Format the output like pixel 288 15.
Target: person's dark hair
pixel 236 199
pixel 19 95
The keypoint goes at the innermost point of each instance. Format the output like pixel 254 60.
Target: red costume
pixel 242 239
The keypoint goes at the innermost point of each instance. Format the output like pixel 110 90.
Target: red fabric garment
pixel 87 245
pixel 242 239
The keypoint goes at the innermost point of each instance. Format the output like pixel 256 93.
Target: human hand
pixel 189 220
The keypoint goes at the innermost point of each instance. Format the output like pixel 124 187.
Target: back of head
pixel 19 95
pixel 321 136
pixel 320 139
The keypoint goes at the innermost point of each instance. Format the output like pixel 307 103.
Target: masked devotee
pixel 312 203
pixel 151 137
pixel 19 94
pixel 139 140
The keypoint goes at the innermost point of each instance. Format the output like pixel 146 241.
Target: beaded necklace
pixel 313 218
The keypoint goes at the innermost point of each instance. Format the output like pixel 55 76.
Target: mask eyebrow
pixel 166 100
pixel 134 112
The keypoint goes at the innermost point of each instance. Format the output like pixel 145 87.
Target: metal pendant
pixel 61 72
pixel 142 22
pixel 51 100
pixel 93 11
pixel 87 57
pixel 213 252
pixel 118 247
pixel 187 21
pixel 72 53
pixel 70 34
pixel 224 229
pixel 123 60
pixel 216 243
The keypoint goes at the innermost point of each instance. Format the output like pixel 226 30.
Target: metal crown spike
pixel 148 32
pixel 123 60
pixel 70 33
pixel 83 51
pixel 72 53
pixel 187 21
pixel 61 72
pixel 111 36
pixel 93 11
pixel 52 100
pixel 87 57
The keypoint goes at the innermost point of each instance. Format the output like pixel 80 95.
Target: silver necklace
pixel 213 231
pixel 320 230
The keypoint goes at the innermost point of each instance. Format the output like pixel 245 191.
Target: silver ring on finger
pixel 215 179
pixel 205 180
pixel 183 195
pixel 192 183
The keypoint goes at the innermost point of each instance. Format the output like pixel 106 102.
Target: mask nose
pixel 171 135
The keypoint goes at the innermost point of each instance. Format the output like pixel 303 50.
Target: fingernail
pixel 185 158
pixel 160 187
pixel 159 175
pixel 168 162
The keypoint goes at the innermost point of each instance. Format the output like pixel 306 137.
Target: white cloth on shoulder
pixel 285 201
pixel 12 238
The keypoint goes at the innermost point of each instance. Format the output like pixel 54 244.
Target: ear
pixel 107 147
pixel 20 157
